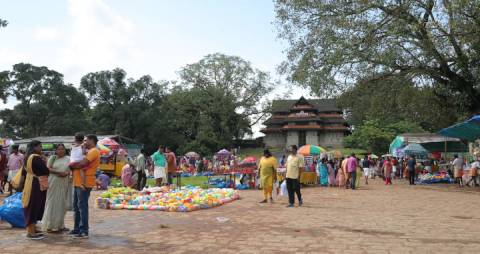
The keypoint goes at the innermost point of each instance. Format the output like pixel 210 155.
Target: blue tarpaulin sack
pixel 12 211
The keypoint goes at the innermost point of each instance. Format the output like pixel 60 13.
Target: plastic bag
pixel 283 188
pixel 12 211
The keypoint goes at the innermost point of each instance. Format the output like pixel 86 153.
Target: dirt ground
pixel 374 219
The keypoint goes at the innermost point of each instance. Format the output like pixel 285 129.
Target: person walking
pixel 3 169
pixel 141 168
pixel 411 165
pixel 295 165
pixel 387 171
pixel 14 164
pixel 322 172
pixel 366 168
pixel 267 170
pixel 159 162
pixel 474 172
pixel 171 165
pixel 82 191
pixel 458 170
pixel 35 187
pixel 352 170
pixel 59 195
pixel 331 173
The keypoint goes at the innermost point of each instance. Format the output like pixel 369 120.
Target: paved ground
pixel 373 219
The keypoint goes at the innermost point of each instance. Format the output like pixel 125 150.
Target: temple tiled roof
pixel 322 105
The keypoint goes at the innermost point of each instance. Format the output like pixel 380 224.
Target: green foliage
pixel 3 23
pixel 334 44
pixel 374 136
pixel 396 99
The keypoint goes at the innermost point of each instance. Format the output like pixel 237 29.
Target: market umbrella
pixel 192 155
pixel 373 156
pixel 250 159
pixel 311 150
pixel 415 149
pixel 468 130
pixel 110 143
pixel 223 152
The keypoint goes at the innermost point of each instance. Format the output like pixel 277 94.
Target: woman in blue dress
pixel 322 170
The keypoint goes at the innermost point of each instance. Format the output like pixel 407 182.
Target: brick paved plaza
pixel 373 219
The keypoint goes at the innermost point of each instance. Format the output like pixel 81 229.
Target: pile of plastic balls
pixel 185 199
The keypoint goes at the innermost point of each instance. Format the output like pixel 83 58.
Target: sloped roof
pixel 322 105
pixel 422 138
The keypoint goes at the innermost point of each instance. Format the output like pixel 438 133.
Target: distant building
pixel 299 122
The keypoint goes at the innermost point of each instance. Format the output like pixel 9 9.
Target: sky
pixel 155 37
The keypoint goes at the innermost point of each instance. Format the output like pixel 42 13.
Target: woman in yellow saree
pixel 267 169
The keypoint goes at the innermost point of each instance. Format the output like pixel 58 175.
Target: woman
pixel 35 188
pixel 127 175
pixel 331 173
pixel 341 173
pixel 58 196
pixel 267 170
pixel 387 167
pixel 323 172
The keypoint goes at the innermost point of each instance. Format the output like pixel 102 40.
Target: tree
pixel 397 99
pixel 374 136
pixel 333 44
pixel 47 105
pixel 235 77
pixel 3 23
pixel 123 106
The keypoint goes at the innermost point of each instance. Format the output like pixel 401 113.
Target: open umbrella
pixel 110 143
pixel 373 156
pixel 192 155
pixel 103 149
pixel 250 159
pixel 223 152
pixel 311 150
pixel 387 155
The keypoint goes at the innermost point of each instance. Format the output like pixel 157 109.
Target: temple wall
pixel 292 138
pixel 312 137
pixel 275 140
pixel 331 139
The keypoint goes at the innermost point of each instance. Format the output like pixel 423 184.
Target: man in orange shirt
pixel 82 190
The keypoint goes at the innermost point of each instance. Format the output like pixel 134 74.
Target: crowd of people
pixel 52 186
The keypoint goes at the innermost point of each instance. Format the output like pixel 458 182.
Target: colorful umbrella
pixel 311 150
pixel 110 143
pixel 192 155
pixel 250 159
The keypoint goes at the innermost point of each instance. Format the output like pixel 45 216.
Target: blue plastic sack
pixel 12 211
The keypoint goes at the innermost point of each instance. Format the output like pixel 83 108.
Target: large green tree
pixel 334 44
pixel 245 85
pixel 123 106
pixel 47 106
pixel 397 99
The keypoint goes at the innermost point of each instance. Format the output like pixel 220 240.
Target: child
pixel 77 154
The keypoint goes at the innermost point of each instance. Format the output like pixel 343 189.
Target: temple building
pixel 299 122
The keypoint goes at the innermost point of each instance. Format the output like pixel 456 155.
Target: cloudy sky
pixel 155 37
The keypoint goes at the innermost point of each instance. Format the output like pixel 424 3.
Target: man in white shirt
pixel 295 166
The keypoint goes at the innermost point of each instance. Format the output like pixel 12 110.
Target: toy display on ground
pixel 185 199
pixel 429 178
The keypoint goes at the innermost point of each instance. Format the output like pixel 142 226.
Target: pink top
pixel 15 161
pixel 352 164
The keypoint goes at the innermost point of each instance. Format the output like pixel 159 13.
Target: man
pixel 141 167
pixel 159 162
pixel 82 190
pixel 366 168
pixel 411 165
pixel 458 169
pixel 171 164
pixel 295 166
pixel 352 170
pixel 14 164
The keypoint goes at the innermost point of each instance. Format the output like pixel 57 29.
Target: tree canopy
pixel 334 44
pixel 212 105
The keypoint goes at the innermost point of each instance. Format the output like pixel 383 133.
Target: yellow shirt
pixel 294 163
pixel 267 166
pixel 93 156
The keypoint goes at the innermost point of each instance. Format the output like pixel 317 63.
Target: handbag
pixel 18 181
